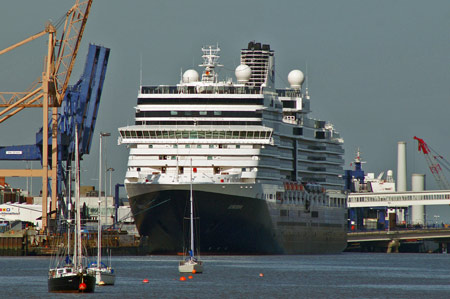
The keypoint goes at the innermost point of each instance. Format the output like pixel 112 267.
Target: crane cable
pixel 437 157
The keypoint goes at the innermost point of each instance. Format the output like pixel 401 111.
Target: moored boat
pixel 191 263
pixel 70 274
pixel 104 274
pixel 67 280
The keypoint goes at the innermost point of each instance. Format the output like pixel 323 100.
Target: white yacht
pixel 267 178
pixel 191 263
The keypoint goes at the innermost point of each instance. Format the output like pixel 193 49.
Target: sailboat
pixel 70 275
pixel 191 264
pixel 104 274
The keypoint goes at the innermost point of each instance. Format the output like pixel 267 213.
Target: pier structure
pixel 385 220
pixel 398 199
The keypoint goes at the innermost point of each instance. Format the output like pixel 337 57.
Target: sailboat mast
pixel 69 208
pixel 77 202
pixel 99 228
pixel 192 215
pixel 99 236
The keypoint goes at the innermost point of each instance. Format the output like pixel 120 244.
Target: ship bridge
pixel 195 134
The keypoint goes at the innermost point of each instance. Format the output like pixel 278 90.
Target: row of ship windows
pixel 289 93
pixel 221 89
pixel 166 146
pixel 200 101
pixel 216 170
pixel 209 146
pixel 196 122
pixel 165 157
pixel 333 202
pixel 205 89
pixel 198 113
pixel 285 213
pixel 296 131
pixel 195 134
pixel 306 199
pixel 311 199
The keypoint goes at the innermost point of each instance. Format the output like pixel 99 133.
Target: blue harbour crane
pixel 78 109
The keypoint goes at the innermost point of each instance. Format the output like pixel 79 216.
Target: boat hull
pixel 232 222
pixel 71 283
pixel 103 276
pixel 189 267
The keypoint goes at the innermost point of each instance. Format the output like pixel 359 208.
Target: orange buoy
pixel 261 275
pixel 82 286
pixel 190 277
pixel 193 271
pixel 145 280
pixel 182 278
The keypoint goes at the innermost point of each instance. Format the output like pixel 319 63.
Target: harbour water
pixel 346 275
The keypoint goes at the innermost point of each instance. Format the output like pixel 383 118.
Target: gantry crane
pixel 433 163
pixel 48 92
pixel 78 110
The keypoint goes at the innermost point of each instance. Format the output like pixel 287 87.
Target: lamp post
pixel 102 134
pixel 110 170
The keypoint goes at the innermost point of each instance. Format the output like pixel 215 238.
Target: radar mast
pixel 210 61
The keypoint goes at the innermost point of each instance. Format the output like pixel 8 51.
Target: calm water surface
pixel 347 275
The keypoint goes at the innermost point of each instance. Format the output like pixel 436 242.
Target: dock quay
pixel 22 233
pixel 400 240
pixel 29 242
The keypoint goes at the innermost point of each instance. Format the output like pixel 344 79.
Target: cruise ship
pixel 266 178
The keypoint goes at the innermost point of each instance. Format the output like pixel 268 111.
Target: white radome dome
pixel 243 73
pixel 190 76
pixel 296 78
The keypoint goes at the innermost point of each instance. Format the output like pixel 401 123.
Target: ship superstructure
pixel 266 177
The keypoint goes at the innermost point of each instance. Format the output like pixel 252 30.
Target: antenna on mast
pixel 210 62
pixel 140 75
pixel 307 82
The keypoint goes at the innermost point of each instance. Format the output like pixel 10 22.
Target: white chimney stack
pixel 401 166
pixel 417 182
pixel 418 215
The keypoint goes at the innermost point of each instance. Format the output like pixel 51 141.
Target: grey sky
pixel 377 70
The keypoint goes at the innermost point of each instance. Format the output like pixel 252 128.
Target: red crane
pixel 433 158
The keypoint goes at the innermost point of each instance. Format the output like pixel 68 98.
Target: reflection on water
pixel 347 275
